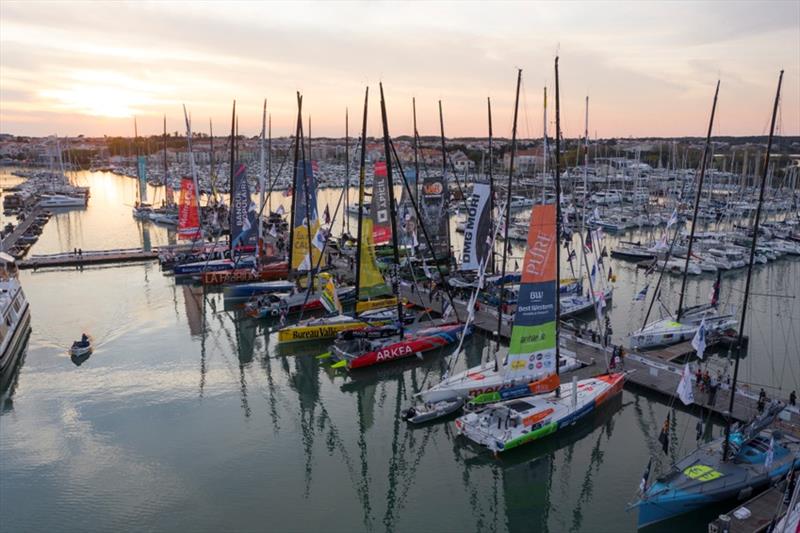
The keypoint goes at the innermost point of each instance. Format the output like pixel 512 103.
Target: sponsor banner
pixel 434 215
pixel 381 225
pixel 371 281
pixel 305 205
pixel 477 228
pixel 244 230
pixel 141 163
pixel 188 219
pixel 533 338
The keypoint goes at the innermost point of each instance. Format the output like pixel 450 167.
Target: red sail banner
pixel 188 219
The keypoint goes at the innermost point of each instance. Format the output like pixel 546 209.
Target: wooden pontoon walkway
pixel 86 258
pixel 763 508
pixel 11 239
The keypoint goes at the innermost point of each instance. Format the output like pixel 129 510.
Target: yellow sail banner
pixel 371 280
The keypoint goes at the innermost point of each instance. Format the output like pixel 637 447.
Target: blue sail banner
pixel 244 231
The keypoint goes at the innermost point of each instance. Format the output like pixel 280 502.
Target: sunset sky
pixel 649 68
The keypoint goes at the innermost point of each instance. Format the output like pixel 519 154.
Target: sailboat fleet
pixel 363 285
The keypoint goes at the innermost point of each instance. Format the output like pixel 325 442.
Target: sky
pixel 649 68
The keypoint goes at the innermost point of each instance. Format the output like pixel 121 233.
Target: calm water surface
pixel 188 418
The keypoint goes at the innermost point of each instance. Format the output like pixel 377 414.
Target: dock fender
pixel 274 312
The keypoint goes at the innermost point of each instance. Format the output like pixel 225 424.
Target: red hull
pixel 407 348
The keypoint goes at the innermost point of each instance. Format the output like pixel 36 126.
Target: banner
pixel 371 282
pixel 188 219
pixel 305 205
pixel 381 225
pixel 477 228
pixel 141 163
pixel 532 351
pixel 435 216
pixel 407 218
pixel 243 213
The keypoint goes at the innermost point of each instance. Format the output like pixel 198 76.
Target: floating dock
pixel 763 508
pixel 11 239
pixel 88 257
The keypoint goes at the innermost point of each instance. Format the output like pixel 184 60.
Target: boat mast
pixel 697 204
pixel 546 153
pixel 416 150
pixel 491 180
pixel 294 187
pixel 446 197
pixel 194 171
pixel 346 170
pixel 393 212
pixel 558 224
pixel 740 339
pixel 211 170
pixel 170 200
pixel 585 185
pixel 261 174
pixel 231 184
pixel 136 149
pixel 362 169
pixel 508 209
pixel 269 162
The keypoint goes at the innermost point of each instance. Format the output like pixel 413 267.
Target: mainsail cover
pixel 477 228
pixel 300 258
pixel 188 218
pixel 532 352
pixel 434 215
pixel 244 230
pixel 381 225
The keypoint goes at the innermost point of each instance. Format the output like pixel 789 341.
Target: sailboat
pixel 142 209
pixel 373 296
pixel 534 350
pixel 379 344
pixel 743 460
pixel 684 325
pixel 167 214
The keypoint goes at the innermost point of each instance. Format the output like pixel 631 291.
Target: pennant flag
pixel 319 239
pixel 588 242
pixel 642 294
pixel 673 219
pixel 663 437
pixel 770 453
pixel 604 253
pixel 699 340
pixel 305 265
pixel 280 210
pixel 610 274
pixel 645 476
pixel 715 293
pixel 516 265
pixel 698 428
pixel 572 255
pixel 326 215
pixel 273 231
pixel 594 275
pixel 685 392
pixel 601 301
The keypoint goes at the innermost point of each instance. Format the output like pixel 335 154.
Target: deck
pixel 11 239
pixel 762 509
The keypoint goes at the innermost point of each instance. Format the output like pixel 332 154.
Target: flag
pixel 594 275
pixel 319 239
pixel 596 214
pixel 305 264
pixel 447 309
pixel 329 298
pixel 516 265
pixel 572 255
pixel 663 437
pixel 685 392
pixel 588 242
pixel 601 301
pixel 645 475
pixel 642 294
pixel 770 453
pixel 610 274
pixel 699 340
pixel 698 428
pixel 673 219
pixel 273 231
pixel 288 192
pixel 604 252
pixel 280 210
pixel 326 216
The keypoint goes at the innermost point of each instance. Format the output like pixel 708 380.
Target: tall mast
pixel 294 184
pixel 269 160
pixel 166 183
pixel 346 170
pixel 392 213
pixel 136 149
pixel 508 208
pixel 212 170
pixel 585 184
pixel 416 149
pixel 362 170
pixel 261 174
pixel 307 194
pixel 194 169
pixel 233 149
pixel 491 182
pixel 446 197
pixel 697 204
pixel 546 152
pixel 558 223
pixel 740 340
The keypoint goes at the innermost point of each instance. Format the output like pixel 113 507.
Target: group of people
pixel 708 383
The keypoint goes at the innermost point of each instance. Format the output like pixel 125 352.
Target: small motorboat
pixel 81 347
pixel 426 412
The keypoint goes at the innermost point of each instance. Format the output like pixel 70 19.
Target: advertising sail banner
pixel 532 351
pixel 477 228
pixel 381 225
pixel 188 221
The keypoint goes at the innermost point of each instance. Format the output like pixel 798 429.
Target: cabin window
pixel 17 305
pixel 8 320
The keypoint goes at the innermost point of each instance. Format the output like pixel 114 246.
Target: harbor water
pixel 189 417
